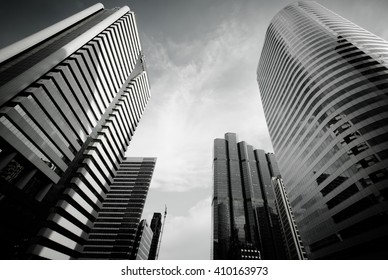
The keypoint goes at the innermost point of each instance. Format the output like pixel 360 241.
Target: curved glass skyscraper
pixel 324 86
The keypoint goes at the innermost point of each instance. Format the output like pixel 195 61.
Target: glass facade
pixel 156 227
pixel 143 241
pixel 293 243
pixel 245 217
pixel 323 82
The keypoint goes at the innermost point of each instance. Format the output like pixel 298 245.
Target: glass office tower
pixel 156 226
pixel 142 243
pixel 324 86
pixel 246 221
pixel 71 97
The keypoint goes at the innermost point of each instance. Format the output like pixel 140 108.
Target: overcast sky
pixel 201 57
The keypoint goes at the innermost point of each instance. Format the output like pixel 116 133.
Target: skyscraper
pixel 142 243
pixel 156 226
pixel 245 217
pixel 293 243
pixel 71 97
pixel 324 84
pixel 117 232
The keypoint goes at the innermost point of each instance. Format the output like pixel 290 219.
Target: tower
pixel 71 97
pixel 323 82
pixel 247 221
pixel 142 243
pixel 117 231
pixel 156 226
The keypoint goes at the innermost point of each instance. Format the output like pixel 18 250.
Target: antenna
pixel 161 232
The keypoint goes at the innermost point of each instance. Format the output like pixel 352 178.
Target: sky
pixel 201 58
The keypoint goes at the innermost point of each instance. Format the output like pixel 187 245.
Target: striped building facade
pixel 324 86
pixel 71 97
pixel 117 232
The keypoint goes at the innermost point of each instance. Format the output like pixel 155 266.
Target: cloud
pixel 190 233
pixel 200 90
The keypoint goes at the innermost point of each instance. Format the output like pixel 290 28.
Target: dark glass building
pixel 156 226
pixel 117 231
pixel 247 223
pixel 324 86
pixel 71 97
